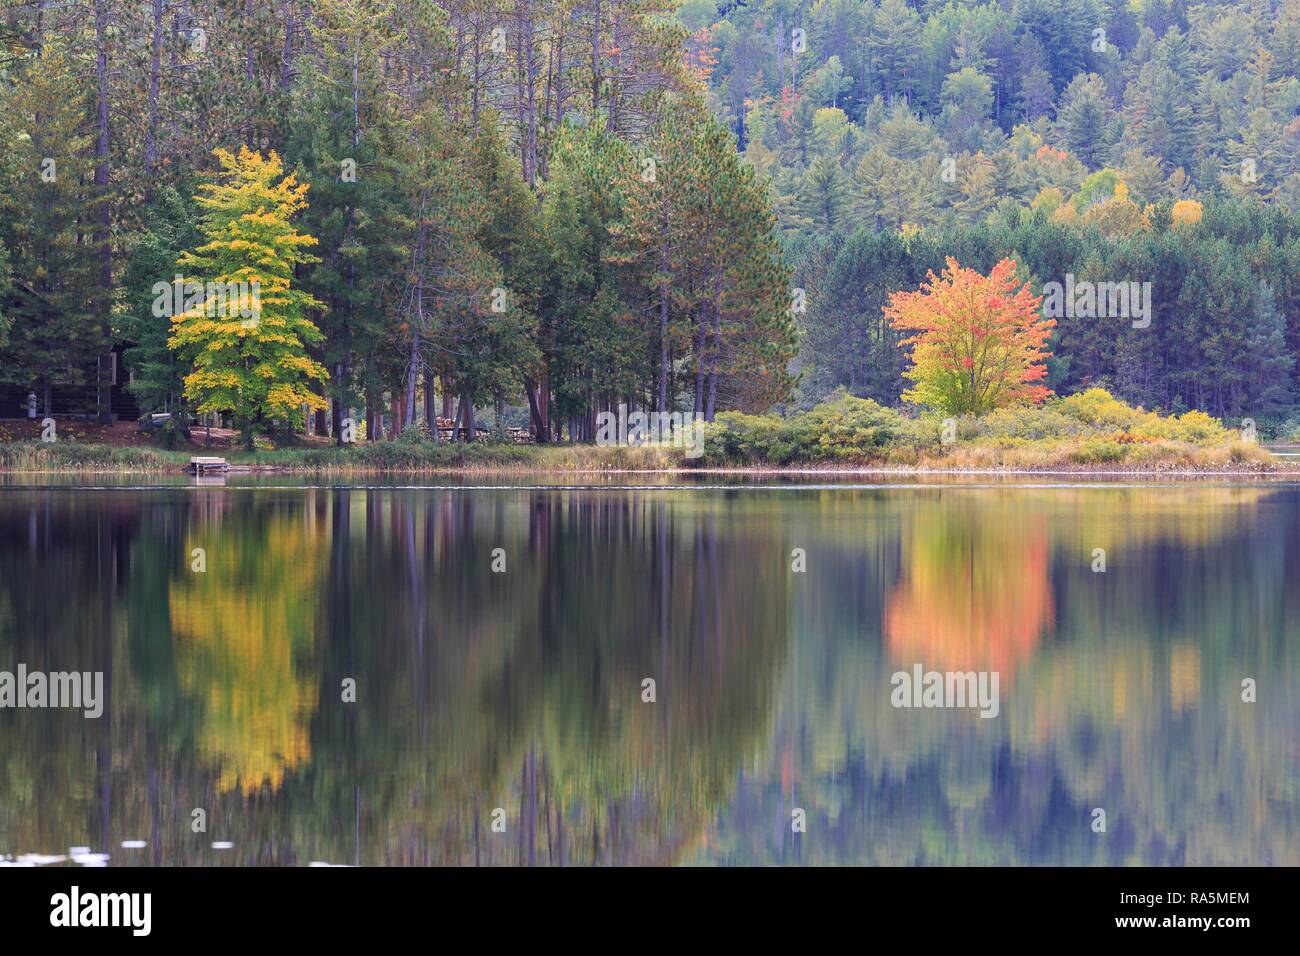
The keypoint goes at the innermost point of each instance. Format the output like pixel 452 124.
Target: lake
pixel 442 675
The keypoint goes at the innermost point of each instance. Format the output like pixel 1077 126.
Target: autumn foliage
pixel 975 592
pixel 258 368
pixel 978 342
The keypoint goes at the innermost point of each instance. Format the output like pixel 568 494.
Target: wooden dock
pixel 208 466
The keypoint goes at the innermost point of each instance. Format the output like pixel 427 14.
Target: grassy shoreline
pixel 398 458
pixel 1091 433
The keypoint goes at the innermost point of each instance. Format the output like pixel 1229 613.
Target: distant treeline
pixel 1107 119
pixel 1224 293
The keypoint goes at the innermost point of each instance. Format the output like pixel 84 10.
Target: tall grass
pixel 38 456
pixel 383 457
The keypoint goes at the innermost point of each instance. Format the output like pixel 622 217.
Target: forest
pixel 1147 141
pixel 476 201
pixel 550 210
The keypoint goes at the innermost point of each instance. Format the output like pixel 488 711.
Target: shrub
pixel 1199 428
pixel 416 433
pixel 1033 424
pixel 739 439
pixel 1096 406
pixel 1098 451
pixel 847 428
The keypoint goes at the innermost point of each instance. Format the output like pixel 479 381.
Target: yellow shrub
pixel 1186 212
pixel 1096 406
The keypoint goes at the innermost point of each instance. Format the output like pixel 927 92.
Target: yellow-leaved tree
pixel 242 325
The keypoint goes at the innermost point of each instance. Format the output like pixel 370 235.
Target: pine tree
pixel 348 141
pixel 1158 115
pixel 157 372
pixel 892 43
pixel 824 195
pixel 1085 120
pixel 1268 360
pixel 46 213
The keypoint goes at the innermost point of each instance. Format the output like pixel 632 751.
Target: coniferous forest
pixel 514 212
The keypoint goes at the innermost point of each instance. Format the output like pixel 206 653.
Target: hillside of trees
pixel 677 205
pixel 1147 141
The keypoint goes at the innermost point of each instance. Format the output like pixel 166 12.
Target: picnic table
pixel 450 431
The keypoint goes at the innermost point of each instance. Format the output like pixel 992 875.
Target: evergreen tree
pixel 158 373
pixel 1085 120
pixel 1158 115
pixel 892 44
pixel 46 213
pixel 824 195
pixel 1269 362
pixel 347 140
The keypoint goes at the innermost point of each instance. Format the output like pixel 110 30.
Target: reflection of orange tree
pixel 244 637
pixel 975 593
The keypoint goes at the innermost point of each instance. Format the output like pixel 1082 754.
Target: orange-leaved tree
pixel 978 342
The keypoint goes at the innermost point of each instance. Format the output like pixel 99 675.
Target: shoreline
pixel 976 460
pixel 1284 473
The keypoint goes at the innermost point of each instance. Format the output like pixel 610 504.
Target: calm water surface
pixel 522 690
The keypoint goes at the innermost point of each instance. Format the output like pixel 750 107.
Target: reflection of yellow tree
pixel 975 593
pixel 244 636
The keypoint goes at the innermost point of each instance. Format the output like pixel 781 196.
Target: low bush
pixel 845 429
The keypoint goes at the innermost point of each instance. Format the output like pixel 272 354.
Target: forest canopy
pixel 562 208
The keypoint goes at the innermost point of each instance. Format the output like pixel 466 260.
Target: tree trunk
pixel 430 409
pixel 711 402
pixel 662 395
pixel 250 74
pixel 457 422
pixel 412 373
pixel 336 406
pixel 155 75
pixel 539 422
pixel 104 230
pixel 699 368
pixel 469 416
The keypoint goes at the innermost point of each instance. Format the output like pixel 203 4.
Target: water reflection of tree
pixel 244 634
pixel 63 562
pixel 522 690
pixel 1131 700
pixel 975 593
pixel 475 692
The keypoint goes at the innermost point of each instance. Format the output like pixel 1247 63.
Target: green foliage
pixel 1220 335
pixel 846 429
pixel 445 171
pixel 46 217
pixel 1098 408
pixel 1097 451
pixel 416 433
pixel 157 373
